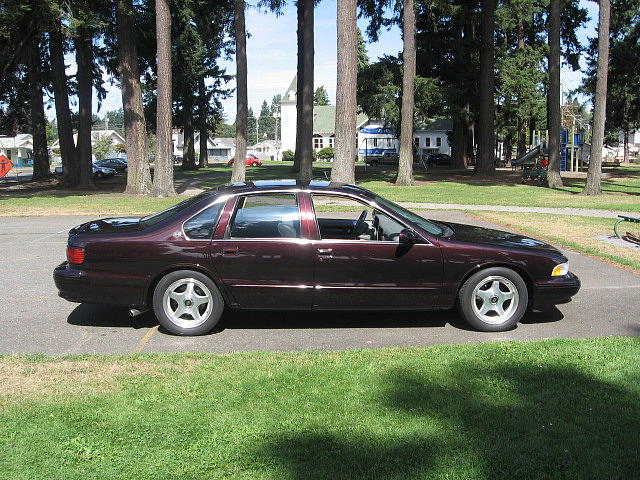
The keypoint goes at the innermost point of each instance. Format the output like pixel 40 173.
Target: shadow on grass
pixel 486 420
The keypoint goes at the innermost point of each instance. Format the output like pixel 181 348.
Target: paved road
pixel 33 319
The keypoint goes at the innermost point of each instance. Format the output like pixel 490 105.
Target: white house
pixel 610 153
pixel 324 121
pixel 373 138
pixel 267 150
pixel 18 149
pixel 115 137
pixel 218 149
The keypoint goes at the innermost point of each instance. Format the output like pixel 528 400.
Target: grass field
pixel 576 233
pixel 622 191
pixel 565 409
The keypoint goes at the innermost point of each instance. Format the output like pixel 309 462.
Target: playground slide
pixel 528 158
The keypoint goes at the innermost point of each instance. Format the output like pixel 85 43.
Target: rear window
pixel 164 214
pixel 266 216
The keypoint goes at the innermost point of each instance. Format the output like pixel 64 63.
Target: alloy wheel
pixel 495 299
pixel 187 302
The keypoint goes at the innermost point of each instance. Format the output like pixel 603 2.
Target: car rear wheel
pixel 255 164
pixel 187 303
pixel 493 300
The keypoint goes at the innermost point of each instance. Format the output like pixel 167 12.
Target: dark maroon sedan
pixel 284 245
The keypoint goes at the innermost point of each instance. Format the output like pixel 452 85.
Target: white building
pixel 267 150
pixel 18 149
pixel 617 152
pixel 115 137
pixel 218 149
pixel 373 138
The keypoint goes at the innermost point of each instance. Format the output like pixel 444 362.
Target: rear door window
pixel 266 216
pixel 202 225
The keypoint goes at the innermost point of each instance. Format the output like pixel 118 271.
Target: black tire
pixel 99 174
pixel 471 306
pixel 202 286
pixel 373 164
pixel 255 164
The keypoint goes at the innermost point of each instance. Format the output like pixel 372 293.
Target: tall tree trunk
pixel 135 130
pixel 189 153
pixel 305 121
pixel 405 164
pixel 242 104
pixel 63 112
pixel 521 124
pixel 203 160
pixel 343 169
pixel 458 152
pixel 594 174
pixel 84 59
pixel 163 171
pixel 553 98
pixel 41 168
pixel 508 146
pixel 299 85
pixel 470 131
pixel 485 164
pixel 522 137
pixel 625 154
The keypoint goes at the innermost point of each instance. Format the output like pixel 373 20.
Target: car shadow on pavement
pixel 91 315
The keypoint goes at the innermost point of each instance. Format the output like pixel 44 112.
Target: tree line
pixel 493 66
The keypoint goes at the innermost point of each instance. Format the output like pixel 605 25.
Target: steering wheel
pixel 360 226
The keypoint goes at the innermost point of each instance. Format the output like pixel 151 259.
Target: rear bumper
pixel 556 290
pixel 79 286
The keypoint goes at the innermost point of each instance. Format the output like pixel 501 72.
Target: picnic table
pixel 624 218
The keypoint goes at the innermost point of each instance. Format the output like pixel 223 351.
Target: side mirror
pixel 409 237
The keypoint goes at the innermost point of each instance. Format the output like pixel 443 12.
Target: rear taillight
pixel 75 255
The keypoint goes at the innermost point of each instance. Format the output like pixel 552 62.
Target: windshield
pixel 158 217
pixel 428 225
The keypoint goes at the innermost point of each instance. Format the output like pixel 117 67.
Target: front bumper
pixel 556 290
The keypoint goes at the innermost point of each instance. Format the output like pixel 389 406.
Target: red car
pixel 251 161
pixel 266 245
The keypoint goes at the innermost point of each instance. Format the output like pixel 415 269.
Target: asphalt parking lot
pixel 35 320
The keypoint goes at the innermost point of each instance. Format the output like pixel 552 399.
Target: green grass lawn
pixel 576 233
pixel 565 409
pixel 622 193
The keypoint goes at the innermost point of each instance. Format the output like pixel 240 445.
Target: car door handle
pixel 230 251
pixel 325 252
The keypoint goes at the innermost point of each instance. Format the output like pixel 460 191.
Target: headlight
pixel 560 270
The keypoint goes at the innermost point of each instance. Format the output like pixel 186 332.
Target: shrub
pixel 287 156
pixel 327 153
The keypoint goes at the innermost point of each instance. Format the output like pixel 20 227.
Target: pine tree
pixel 343 169
pixel 163 171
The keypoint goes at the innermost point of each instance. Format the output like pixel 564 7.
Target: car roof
pixel 320 186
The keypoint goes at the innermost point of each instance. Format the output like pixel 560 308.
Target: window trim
pixel 239 197
pixel 371 204
pixel 222 200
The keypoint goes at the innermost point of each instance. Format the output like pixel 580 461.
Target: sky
pixel 271 56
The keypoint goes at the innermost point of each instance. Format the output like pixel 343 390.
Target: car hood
pixel 108 225
pixel 487 236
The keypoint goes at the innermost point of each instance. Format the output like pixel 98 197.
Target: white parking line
pixel 50 235
pixel 611 287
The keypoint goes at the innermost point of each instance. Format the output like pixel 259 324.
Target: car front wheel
pixel 255 164
pixel 493 300
pixel 187 303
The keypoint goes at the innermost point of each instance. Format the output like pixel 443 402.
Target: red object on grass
pixel 5 165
